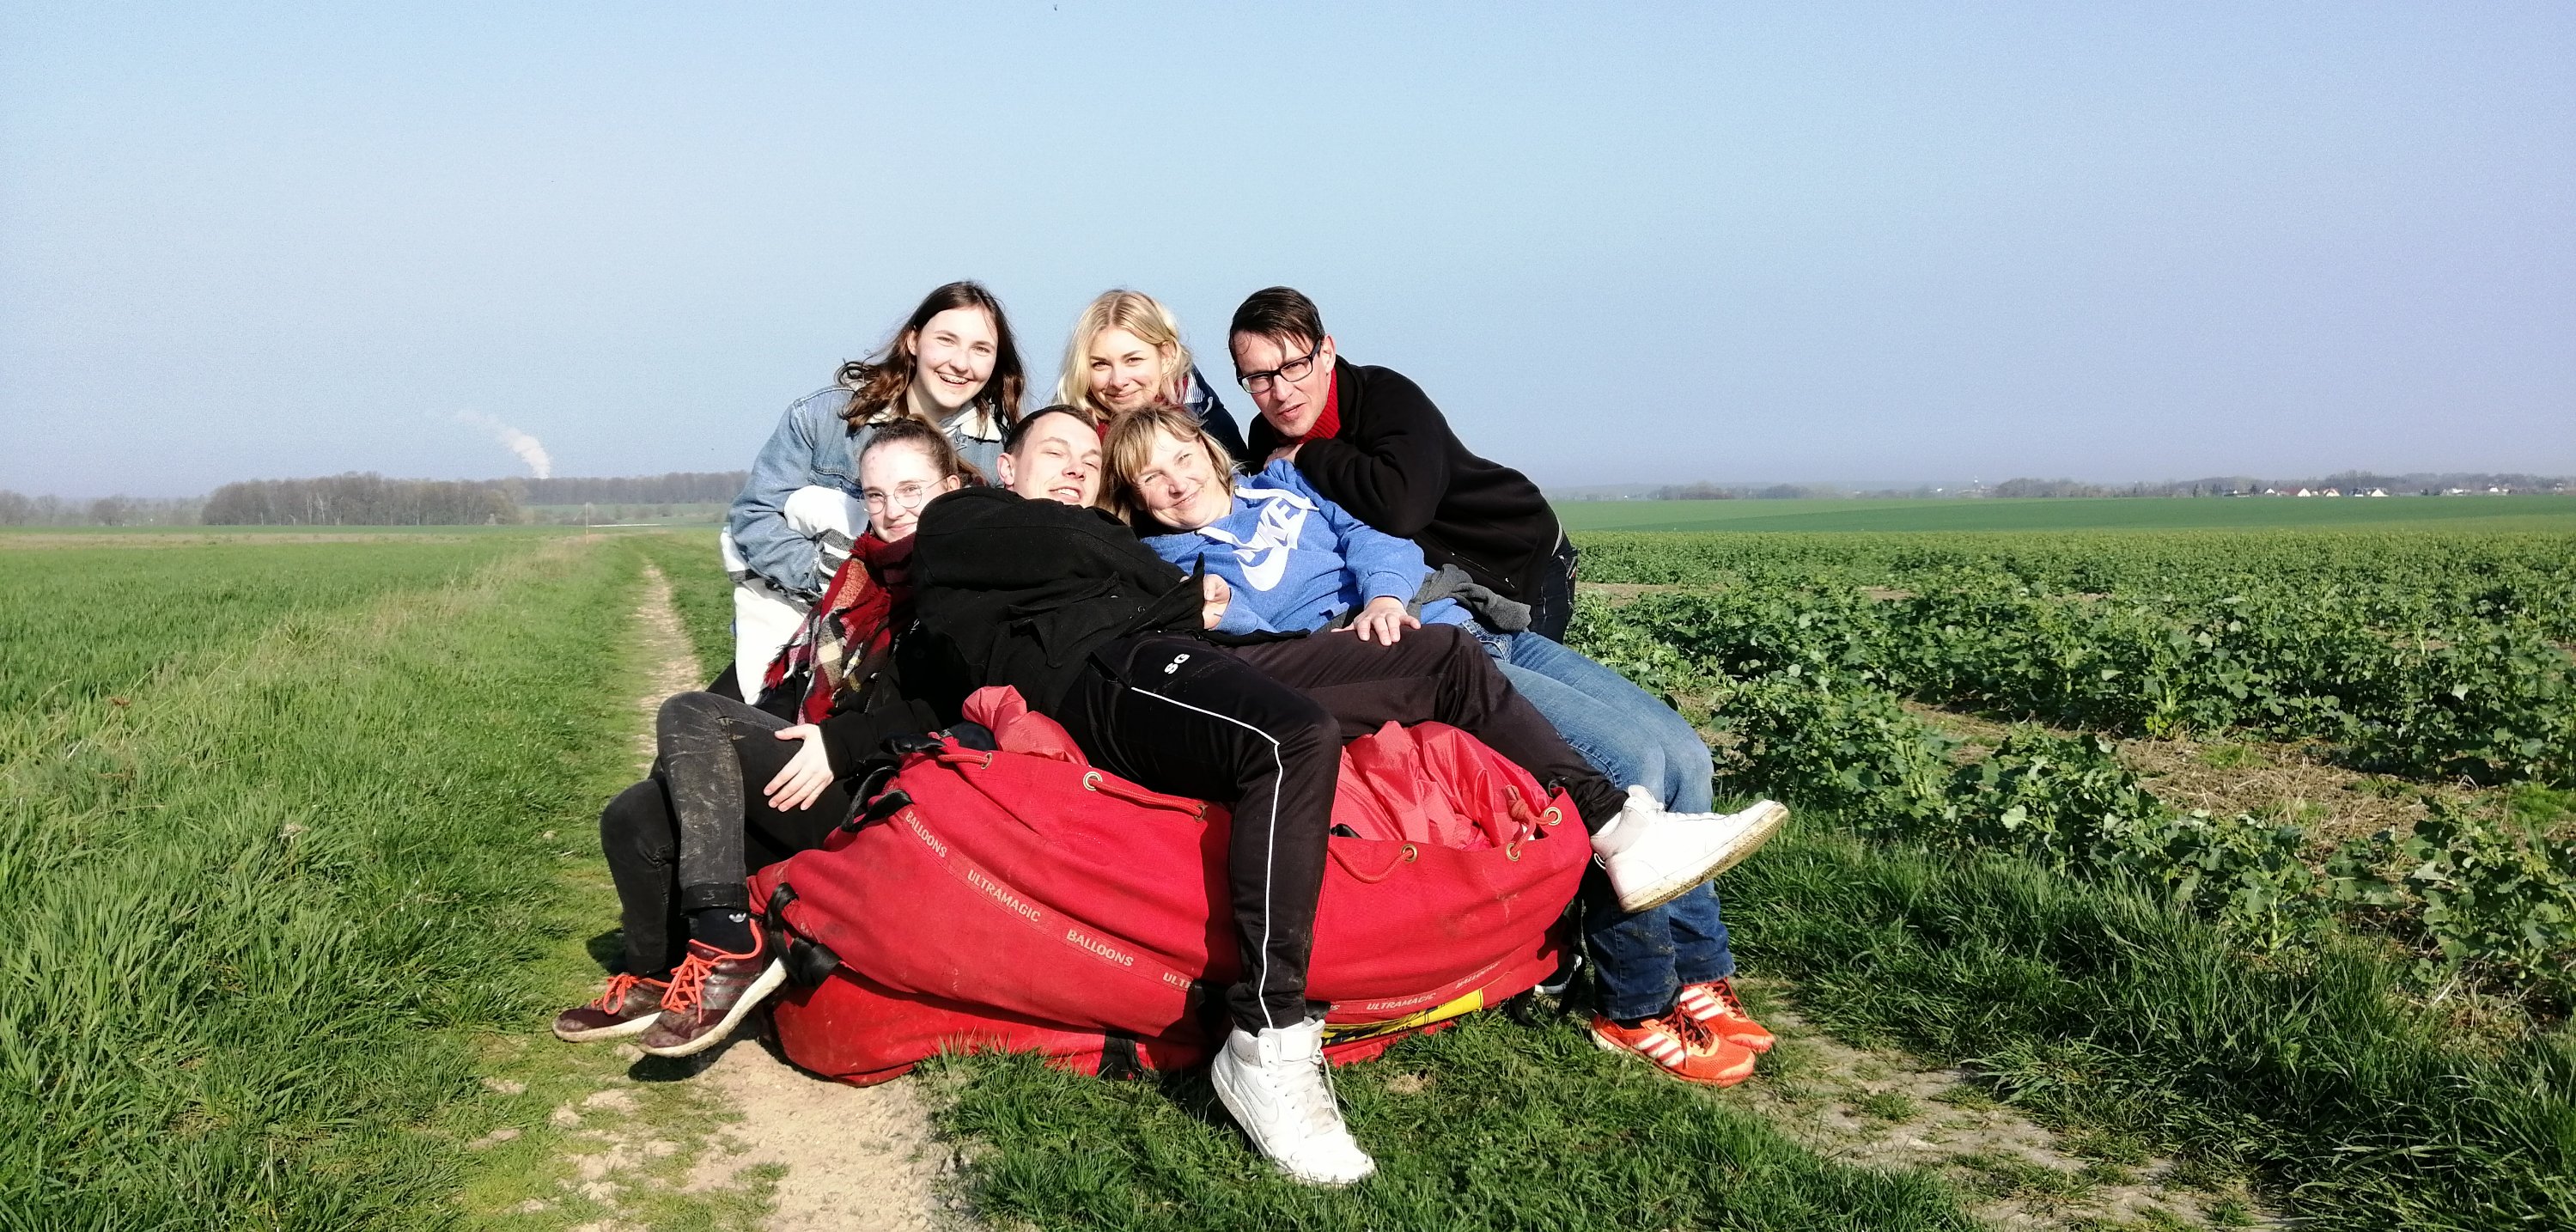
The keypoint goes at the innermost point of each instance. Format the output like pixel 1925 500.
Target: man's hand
pixel 805 775
pixel 1287 451
pixel 1214 595
pixel 1386 618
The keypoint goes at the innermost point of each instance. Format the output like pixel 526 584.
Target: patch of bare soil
pixel 843 1157
pixel 858 1158
pixel 1885 1110
pixel 2285 783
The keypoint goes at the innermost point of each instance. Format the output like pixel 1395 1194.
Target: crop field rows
pixel 296 874
pixel 2345 993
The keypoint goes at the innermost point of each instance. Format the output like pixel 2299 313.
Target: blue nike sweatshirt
pixel 1296 561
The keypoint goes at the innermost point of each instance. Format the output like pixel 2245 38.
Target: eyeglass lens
pixel 1293 371
pixel 909 496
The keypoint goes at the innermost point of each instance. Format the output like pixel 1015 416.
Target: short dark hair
pixel 1020 431
pixel 1278 312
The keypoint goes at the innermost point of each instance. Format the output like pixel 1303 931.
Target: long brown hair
pixel 881 382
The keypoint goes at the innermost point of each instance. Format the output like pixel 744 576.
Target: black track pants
pixel 1179 715
pixel 1442 674
pixel 686 837
pixel 1261 728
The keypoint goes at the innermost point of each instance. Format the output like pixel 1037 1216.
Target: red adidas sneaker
pixel 1716 1007
pixel 1677 1044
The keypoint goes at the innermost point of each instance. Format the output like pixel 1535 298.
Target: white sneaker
pixel 1654 857
pixel 1273 1083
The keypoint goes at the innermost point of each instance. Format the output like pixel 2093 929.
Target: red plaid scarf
pixel 852 626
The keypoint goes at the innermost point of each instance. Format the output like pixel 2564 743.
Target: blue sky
pixel 1616 243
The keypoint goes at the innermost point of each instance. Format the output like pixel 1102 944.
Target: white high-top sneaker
pixel 1654 857
pixel 1273 1083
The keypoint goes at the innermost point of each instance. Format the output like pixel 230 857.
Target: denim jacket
pixel 815 447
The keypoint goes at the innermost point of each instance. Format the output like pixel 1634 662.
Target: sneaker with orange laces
pixel 627 1008
pixel 1717 1008
pixel 710 995
pixel 1678 1045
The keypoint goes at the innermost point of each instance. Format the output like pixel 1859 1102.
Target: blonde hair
pixel 1128 448
pixel 1137 313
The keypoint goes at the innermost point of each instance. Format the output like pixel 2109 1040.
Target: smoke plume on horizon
pixel 530 450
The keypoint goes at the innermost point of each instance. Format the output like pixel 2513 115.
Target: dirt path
pixel 1885 1110
pixel 844 1157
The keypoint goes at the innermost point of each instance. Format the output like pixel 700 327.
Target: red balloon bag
pixel 1022 900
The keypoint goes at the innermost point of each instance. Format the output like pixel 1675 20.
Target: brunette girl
pixel 953 366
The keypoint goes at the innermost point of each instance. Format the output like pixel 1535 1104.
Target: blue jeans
pixel 1641 962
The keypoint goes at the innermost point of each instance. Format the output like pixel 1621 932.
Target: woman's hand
pixel 1214 595
pixel 1385 616
pixel 806 774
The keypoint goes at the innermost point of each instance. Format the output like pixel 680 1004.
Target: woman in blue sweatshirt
pixel 1296 562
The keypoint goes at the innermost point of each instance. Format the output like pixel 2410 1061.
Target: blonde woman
pixel 1126 354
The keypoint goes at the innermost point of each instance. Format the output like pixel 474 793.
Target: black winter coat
pixel 1396 466
pixel 1013 591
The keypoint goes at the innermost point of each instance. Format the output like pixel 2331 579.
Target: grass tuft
pixel 1489 1125
pixel 2099 1009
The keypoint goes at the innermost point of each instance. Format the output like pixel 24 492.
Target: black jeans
pixel 1261 728
pixel 686 837
pixel 1552 608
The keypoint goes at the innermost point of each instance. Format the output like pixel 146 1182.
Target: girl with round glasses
pixel 736 787
pixel 952 366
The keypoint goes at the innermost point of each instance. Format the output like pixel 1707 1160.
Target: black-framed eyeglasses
pixel 1293 371
pixel 909 496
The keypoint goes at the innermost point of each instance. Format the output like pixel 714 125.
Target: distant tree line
pixel 1778 491
pixel 18 509
pixel 676 488
pixel 2423 482
pixel 2427 483
pixel 362 500
pixel 373 500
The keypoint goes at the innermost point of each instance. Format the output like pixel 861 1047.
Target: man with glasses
pixel 1368 438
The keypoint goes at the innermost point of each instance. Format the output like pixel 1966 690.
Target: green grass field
pixel 2524 513
pixel 83 622
pixel 260 911
pixel 297 849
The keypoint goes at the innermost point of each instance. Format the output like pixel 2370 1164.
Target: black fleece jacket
pixel 1013 591
pixel 1396 466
